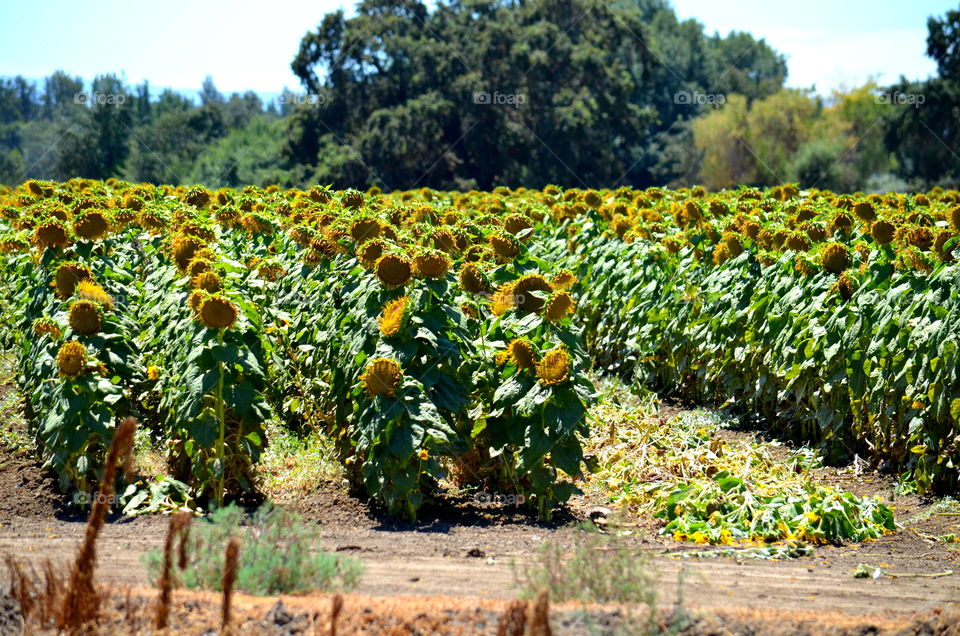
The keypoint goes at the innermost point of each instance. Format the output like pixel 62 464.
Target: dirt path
pixel 459 550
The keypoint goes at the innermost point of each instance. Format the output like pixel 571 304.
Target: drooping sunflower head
pixel 370 252
pixel 516 223
pixel 797 242
pixel 91 225
pixel 554 367
pixel 382 377
pixel 431 264
pixel 519 352
pixel 865 211
pixel 846 285
pixel 527 288
pixel 71 359
pixel 560 305
pixel 883 231
pixel 68 275
pixel 591 199
pixel 393 270
pixel 198 266
pixel 89 290
pixel 836 258
pixel 365 229
pixel 51 233
pixel 478 253
pixel 733 244
pixel 208 281
pixel 46 326
pixel 183 248
pixel 505 246
pixel 502 299
pixel 721 254
pixel 217 312
pixel 563 280
pixel 472 279
pixel 394 316
pixel 352 199
pixel 86 317
pixel 443 239
pixel 953 217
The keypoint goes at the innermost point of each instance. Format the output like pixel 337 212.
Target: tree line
pixel 480 93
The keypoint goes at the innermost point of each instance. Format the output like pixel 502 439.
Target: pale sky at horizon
pixel 248 45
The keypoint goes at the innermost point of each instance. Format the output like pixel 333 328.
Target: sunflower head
pixel 797 242
pixel 883 231
pixel 516 223
pixel 836 258
pixel 524 291
pixel 519 352
pixel 591 199
pixel 217 312
pixel 52 233
pixel 554 368
pixel 86 317
pixel 208 281
pixel 183 248
pixel 502 299
pixel 721 254
pixel 733 244
pixel 47 327
pixel 352 199
pixel 71 359
pixel 393 270
pixel 563 280
pixel 91 225
pixel 865 211
pixel 89 290
pixel 472 279
pixel 560 305
pixel 365 229
pixel 68 275
pixel 478 253
pixel 395 316
pixel 382 377
pixel 504 245
pixel 431 264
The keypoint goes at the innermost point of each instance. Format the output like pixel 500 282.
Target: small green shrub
pixel 278 554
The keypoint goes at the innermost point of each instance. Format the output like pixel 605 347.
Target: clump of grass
pixel 278 554
pixel 292 465
pixel 590 568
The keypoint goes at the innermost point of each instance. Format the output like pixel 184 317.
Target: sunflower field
pixel 447 337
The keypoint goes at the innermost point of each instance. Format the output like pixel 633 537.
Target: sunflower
pixel 478 253
pixel 86 317
pixel 502 299
pixel 365 229
pixel 393 270
pixel 882 232
pixel 721 254
pixel 865 211
pixel 516 223
pixel 91 226
pixel 733 244
pixel 89 290
pixel 71 359
pixel 395 315
pixel 524 290
pixel 836 258
pixel 797 242
pixel 591 199
pixel 505 245
pixel 47 327
pixel 184 248
pixel 370 252
pixel 554 368
pixel 559 306
pixel 208 281
pixel 68 275
pixel 846 285
pixel 382 377
pixel 217 312
pixel 472 279
pixel 519 352
pixel 352 199
pixel 51 234
pixel 430 264
pixel 563 280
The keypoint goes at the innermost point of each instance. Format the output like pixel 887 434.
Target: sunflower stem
pixel 221 418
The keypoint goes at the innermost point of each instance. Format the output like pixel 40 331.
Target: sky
pixel 248 45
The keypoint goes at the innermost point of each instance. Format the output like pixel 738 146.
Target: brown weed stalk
pixel 229 578
pixel 336 604
pixel 177 528
pixel 514 620
pixel 540 615
pixel 81 603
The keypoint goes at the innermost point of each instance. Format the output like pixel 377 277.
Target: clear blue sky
pixel 249 45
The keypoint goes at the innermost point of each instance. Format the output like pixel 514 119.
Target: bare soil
pixel 451 572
